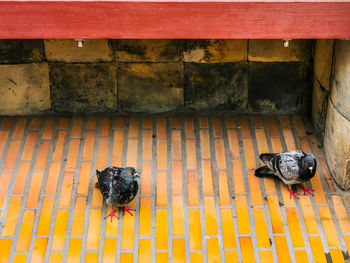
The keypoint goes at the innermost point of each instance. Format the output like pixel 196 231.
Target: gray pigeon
pixel 293 167
pixel 118 186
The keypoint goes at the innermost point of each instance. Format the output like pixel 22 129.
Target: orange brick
pixel 97 198
pixel 26 231
pixel 105 127
pixel 162 257
pixel 176 144
pixel 272 125
pixel 45 216
pixel 89 141
pixel 161 127
pixel 84 177
pixel 231 122
pixel 287 200
pixel 237 174
pixel 189 127
pixel 39 249
pixel 191 154
pixel 261 139
pixel 131 157
pixel 242 215
pixel 275 215
pixel 7 123
pixel 77 127
pixel 244 125
pixel 49 128
pixel 342 216
pixel 52 178
pixel 120 122
pixel 118 144
pixel 258 121
pixel 196 257
pixel 5 245
pixel 146 178
pixel 284 121
pixel 66 191
pixel 133 128
pixel 207 176
pixel 59 232
pixel 249 153
pixel 317 186
pixel 20 258
pixel 261 228
pixel 205 145
pixel 178 216
pixel 289 139
pixel 179 250
pixel 20 127
pixel 328 226
pixel 3 140
pixel 270 187
pixel 308 215
pixel 337 255
pixel 34 189
pixel 102 154
pixel 266 256
pixel 74 250
pixel 276 145
pixel 231 256
pixel 247 249
pixel 5 179
pixel 110 246
pixel 78 218
pixel 176 177
pixel 11 155
pixel 117 163
pixel 195 229
pixel 55 257
pixel 145 214
pixel 175 122
pixel 126 257
pixel 326 174
pixel 203 122
pixel 90 257
pixel 304 144
pixel 29 145
pixel 225 199
pixel 294 227
pixel 93 236
pixel 300 256
pixel 42 155
pixel 161 229
pixel 73 152
pixel 220 154
pixel 12 216
pixel 112 227
pixel 254 186
pixel 21 178
pixel 162 189
pixel 317 249
pixel 192 182
pixel 145 250
pixel 213 249
pixel 233 143
pixel 210 215
pixel 128 232
pixel 147 145
pixel 59 145
pixel 63 123
pixel 217 126
pixel 147 123
pixel 228 229
pixel 282 249
pixel 299 126
pixel 162 154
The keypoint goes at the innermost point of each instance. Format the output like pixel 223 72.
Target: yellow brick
pixel 213 249
pixel 59 233
pixel 294 227
pixel 195 229
pixel 196 257
pixel 179 250
pixel 74 250
pixel 161 229
pixel 210 215
pixel 93 235
pixel 12 216
pixel 275 214
pixel 261 228
pixel 266 256
pixel 328 226
pixel 337 255
pixel 145 250
pixel 282 249
pixel 317 249
pixel 128 232
pixel 26 231
pixel 308 215
pixel 228 229
pixel 39 250
pixel 247 249
pixel 231 256
pixel 242 215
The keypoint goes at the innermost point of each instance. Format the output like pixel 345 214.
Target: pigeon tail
pixel 263 171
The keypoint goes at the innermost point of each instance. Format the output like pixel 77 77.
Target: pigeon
pixel 293 167
pixel 118 186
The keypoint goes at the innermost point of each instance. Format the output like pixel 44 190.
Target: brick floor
pixel 199 199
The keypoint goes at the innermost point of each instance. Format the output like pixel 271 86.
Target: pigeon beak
pixel 311 168
pixel 136 175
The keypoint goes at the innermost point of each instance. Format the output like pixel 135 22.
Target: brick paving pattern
pixel 199 199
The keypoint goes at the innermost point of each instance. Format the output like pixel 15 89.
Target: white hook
pixel 80 42
pixel 286 42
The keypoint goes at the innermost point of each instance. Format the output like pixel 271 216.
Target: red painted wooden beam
pixel 174 19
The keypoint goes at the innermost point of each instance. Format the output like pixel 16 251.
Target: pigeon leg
pixel 127 209
pixel 309 191
pixel 292 193
pixel 112 214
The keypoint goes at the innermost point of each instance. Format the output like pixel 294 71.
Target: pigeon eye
pixel 129 173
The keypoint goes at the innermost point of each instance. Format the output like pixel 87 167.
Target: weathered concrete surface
pixel 215 50
pixel 269 50
pixel 67 50
pixel 319 108
pixel 83 88
pixel 279 87
pixel 337 146
pixel 216 86
pixel 24 89
pixel 323 61
pixel 150 87
pixel 16 51
pixel 340 94
pixel 148 50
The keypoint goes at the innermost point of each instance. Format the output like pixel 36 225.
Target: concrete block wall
pixel 56 76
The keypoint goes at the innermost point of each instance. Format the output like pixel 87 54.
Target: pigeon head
pixel 129 172
pixel 310 162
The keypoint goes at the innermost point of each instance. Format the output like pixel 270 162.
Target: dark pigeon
pixel 118 186
pixel 293 167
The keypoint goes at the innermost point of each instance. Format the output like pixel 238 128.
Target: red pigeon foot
pixel 112 214
pixel 127 209
pixel 292 194
pixel 309 191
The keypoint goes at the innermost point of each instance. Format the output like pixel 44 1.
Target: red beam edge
pixel 222 20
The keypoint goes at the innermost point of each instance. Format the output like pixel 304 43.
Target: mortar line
pixel 58 190
pixel 42 193
pixel 26 188
pixel 263 192
pixel 169 191
pixel 200 187
pixel 231 188
pixel 120 213
pixel 154 190
pixel 90 192
pixel 185 191
pixel 138 196
pixel 247 189
pixel 279 193
pixel 216 189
